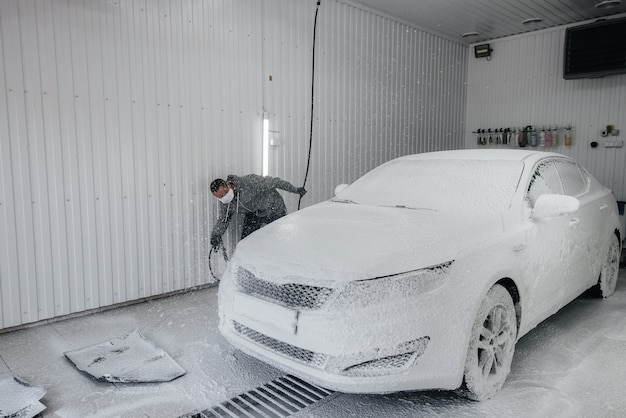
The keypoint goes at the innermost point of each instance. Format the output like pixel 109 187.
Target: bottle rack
pixel 528 136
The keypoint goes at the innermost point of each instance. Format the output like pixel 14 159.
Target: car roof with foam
pixel 484 154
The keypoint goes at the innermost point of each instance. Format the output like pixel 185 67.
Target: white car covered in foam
pixel 423 273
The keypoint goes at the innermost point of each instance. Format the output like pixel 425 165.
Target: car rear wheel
pixel 491 345
pixel 610 269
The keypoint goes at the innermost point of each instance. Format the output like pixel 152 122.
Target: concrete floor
pixel 184 325
pixel 573 364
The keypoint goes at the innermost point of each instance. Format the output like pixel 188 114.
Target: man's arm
pixel 221 225
pixel 278 183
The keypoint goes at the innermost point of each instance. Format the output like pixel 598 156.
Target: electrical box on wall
pixel 613 143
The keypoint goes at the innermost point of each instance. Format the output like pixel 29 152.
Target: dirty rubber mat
pixel 277 399
pixel 20 399
pixel 129 359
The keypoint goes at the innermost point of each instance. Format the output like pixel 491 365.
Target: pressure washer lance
pixel 211 253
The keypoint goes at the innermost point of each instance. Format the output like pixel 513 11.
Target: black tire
pixel 610 269
pixel 491 346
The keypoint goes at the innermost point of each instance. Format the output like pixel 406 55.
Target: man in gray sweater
pixel 253 195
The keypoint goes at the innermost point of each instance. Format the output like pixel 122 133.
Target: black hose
pixel 308 162
pixel 213 249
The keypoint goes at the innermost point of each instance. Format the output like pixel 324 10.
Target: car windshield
pixel 485 186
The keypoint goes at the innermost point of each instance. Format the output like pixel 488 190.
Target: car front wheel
pixel 491 345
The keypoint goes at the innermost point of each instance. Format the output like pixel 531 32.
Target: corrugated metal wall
pixel 523 85
pixel 382 89
pixel 116 115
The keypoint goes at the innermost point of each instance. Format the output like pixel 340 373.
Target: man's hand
pixel 301 191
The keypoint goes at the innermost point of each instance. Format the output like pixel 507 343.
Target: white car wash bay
pixel 566 366
pixel 116 117
pixel 569 366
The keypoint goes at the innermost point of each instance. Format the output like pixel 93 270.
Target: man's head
pixel 219 188
pixel 222 190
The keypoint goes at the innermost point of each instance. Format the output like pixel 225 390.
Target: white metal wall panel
pixel 382 89
pixel 116 116
pixel 523 85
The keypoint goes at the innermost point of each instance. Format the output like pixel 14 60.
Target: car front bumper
pixel 379 348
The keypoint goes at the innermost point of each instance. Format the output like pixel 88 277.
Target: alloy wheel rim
pixel 495 341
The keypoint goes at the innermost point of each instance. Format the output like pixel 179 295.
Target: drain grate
pixel 279 398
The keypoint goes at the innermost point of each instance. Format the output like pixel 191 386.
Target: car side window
pixel 545 180
pixel 574 181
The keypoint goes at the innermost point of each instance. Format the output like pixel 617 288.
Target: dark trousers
pixel 252 222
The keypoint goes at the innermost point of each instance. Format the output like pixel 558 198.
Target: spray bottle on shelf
pixel 522 139
pixel 568 136
pixel 555 137
pixel 548 138
pixel 513 137
pixel 534 137
pixel 542 138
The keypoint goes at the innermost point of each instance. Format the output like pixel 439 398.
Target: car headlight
pixel 366 292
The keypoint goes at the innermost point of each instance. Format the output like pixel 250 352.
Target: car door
pixel 548 247
pixel 585 226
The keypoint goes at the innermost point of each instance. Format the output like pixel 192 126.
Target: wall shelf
pixel 548 136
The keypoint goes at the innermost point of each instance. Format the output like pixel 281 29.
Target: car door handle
pixel 603 206
pixel 574 221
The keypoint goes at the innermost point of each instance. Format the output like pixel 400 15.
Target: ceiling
pixel 490 18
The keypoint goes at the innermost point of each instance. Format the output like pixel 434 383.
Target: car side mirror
pixel 340 188
pixel 550 205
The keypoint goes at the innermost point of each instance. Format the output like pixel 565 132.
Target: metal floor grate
pixel 279 398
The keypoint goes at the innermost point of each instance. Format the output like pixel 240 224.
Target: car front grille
pixel 292 295
pixel 304 356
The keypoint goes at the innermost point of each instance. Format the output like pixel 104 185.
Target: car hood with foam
pixel 339 242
